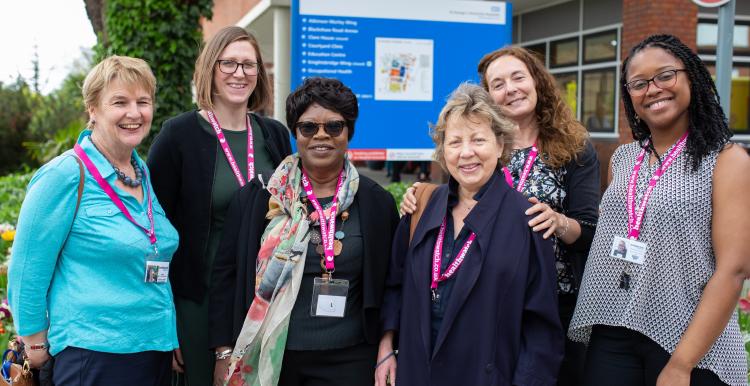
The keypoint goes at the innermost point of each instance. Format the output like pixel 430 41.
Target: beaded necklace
pixel 133 183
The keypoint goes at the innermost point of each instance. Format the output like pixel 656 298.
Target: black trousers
pixel 618 356
pixel 351 366
pixel 81 367
pixel 571 368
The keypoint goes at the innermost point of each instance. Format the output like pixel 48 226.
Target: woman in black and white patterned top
pixel 670 252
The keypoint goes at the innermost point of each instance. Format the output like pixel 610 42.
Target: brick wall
pixel 226 12
pixel 641 18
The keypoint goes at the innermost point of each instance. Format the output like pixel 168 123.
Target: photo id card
pixel 156 271
pixel 329 297
pixel 626 249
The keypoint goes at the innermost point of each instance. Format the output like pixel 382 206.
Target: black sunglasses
pixel 309 129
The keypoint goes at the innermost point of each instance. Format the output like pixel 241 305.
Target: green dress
pixel 192 317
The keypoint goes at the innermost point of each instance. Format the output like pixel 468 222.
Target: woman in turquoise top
pixel 88 280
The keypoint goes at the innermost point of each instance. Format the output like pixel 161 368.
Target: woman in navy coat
pixel 472 299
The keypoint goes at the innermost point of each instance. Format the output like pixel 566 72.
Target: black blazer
pixel 501 325
pixel 233 277
pixel 182 161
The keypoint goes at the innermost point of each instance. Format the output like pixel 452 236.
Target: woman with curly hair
pixel 554 165
pixel 664 313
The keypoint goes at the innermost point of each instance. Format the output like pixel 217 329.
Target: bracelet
pixel 223 355
pixel 565 229
pixel 385 358
pixel 37 347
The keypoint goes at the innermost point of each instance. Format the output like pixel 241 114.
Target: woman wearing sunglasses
pixel 299 278
pixel 663 312
pixel 198 161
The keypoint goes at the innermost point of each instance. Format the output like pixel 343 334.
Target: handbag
pixel 422 192
pixel 15 371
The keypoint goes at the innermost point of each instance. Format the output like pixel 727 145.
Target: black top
pixel 232 287
pixel 581 203
pixel 182 161
pixel 323 333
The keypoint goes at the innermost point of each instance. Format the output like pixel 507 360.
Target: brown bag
pixel 15 368
pixel 422 192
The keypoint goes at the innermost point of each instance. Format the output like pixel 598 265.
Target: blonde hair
pixel 131 71
pixel 471 101
pixel 561 136
pixel 203 77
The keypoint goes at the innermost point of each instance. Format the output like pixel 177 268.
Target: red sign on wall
pixel 710 3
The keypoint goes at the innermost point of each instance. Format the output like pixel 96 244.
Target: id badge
pixel 329 297
pixel 626 249
pixel 156 271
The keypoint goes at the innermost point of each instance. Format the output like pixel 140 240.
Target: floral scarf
pixel 257 356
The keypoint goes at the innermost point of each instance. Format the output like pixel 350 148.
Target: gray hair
pixel 472 101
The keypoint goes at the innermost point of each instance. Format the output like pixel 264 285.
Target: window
pixel 739 119
pixel 598 100
pixel 567 84
pixel 563 53
pixel 586 69
pixel 708 35
pixel 539 49
pixel 600 47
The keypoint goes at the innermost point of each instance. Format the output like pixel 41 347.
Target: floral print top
pixel 547 185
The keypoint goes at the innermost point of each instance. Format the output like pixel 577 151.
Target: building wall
pixel 226 12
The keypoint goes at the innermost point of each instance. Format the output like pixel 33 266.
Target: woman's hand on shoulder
pixel 409 201
pixel 546 219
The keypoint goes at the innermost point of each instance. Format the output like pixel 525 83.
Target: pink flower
pixel 745 305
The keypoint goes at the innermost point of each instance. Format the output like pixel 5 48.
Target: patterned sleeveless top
pixel 664 291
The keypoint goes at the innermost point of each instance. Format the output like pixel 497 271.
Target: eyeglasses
pixel 309 129
pixel 230 67
pixel 664 79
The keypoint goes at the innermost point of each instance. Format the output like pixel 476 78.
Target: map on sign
pixel 400 58
pixel 403 69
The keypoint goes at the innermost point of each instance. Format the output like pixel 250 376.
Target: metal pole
pixel 281 60
pixel 724 55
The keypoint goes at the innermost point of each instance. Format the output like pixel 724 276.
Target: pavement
pixel 380 176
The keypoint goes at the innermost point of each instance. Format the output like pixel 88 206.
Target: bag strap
pixel 80 183
pixel 422 192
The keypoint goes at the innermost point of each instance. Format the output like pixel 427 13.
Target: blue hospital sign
pixel 401 57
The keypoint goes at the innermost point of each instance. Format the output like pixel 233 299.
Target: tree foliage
pixel 167 35
pixel 18 102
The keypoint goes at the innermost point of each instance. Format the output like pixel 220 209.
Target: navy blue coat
pixel 501 325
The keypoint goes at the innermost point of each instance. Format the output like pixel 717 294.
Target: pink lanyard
pixel 437 258
pixel 327 230
pixel 526 169
pixel 635 218
pixel 228 152
pixel 116 199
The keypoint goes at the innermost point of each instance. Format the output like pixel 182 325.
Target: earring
pixel 637 119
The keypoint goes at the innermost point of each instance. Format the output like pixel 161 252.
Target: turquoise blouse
pixel 84 277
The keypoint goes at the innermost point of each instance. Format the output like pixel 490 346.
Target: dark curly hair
pixel 329 93
pixel 707 123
